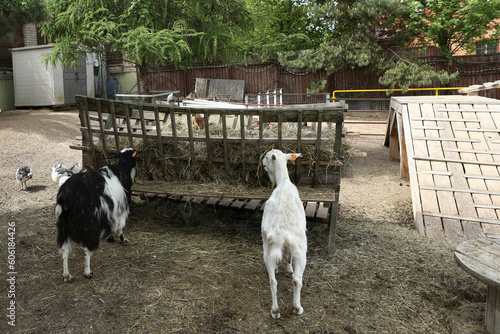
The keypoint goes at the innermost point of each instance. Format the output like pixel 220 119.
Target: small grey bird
pixel 23 175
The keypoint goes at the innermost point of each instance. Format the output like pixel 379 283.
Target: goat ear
pixel 293 156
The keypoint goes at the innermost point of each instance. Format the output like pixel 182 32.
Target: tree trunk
pixel 144 83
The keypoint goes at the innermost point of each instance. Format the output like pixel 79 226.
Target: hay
pixel 163 166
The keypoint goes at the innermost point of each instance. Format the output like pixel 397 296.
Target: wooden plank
pixel 280 130
pixel 478 130
pixel 403 162
pixel 190 135
pixel 434 229
pixel 463 218
pixel 226 202
pixel 175 142
pixel 490 172
pixel 447 139
pixel 160 143
pixel 114 125
pixel 199 200
pixel 393 139
pixel 213 201
pixel 390 128
pixel 253 204
pixel 474 151
pixel 487 206
pixel 201 87
pixel 458 161
pixel 420 200
pixel 129 126
pixel 433 172
pixel 492 314
pixel 101 127
pixel 446 120
pixel 464 200
pixel 225 143
pixel 462 190
pixel 310 209
pixel 238 204
pixel 243 144
pixel 322 212
pixel 453 229
pixel 318 152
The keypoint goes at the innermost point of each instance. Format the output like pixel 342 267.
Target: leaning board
pixel 449 148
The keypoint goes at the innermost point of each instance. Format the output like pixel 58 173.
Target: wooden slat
pixel 412 111
pixel 310 209
pixel 434 229
pixel 464 201
pixel 446 120
pixel 489 172
pixel 175 142
pixel 461 190
pixel 474 162
pixel 446 139
pixel 115 126
pixel 253 204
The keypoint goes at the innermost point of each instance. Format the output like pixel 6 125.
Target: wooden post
pixel 492 310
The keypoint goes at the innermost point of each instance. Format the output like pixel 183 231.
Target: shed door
pixel 75 81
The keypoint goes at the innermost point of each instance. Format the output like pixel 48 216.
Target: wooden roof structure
pixel 449 149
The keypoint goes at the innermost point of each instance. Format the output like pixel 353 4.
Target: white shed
pixel 40 84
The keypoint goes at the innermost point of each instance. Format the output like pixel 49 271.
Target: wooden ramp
pixel 449 148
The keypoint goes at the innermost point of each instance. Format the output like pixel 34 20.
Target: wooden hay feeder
pixel 221 164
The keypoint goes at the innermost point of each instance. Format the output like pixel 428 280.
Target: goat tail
pixel 275 254
pixel 58 210
pixel 62 226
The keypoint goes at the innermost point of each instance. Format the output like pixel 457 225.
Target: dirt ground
pixel 199 270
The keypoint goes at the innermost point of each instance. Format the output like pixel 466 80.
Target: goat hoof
pixel 123 239
pixel 68 278
pixel 298 311
pixel 110 239
pixel 89 275
pixel 275 314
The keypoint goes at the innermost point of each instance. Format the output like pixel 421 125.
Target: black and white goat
pixel 283 228
pixel 94 205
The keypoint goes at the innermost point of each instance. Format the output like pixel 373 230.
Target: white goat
pixel 283 228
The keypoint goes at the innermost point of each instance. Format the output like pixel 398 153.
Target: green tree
pixel 367 33
pixel 15 13
pixel 281 25
pixel 454 25
pixel 149 33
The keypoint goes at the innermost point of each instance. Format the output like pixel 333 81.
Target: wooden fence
pixel 475 69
